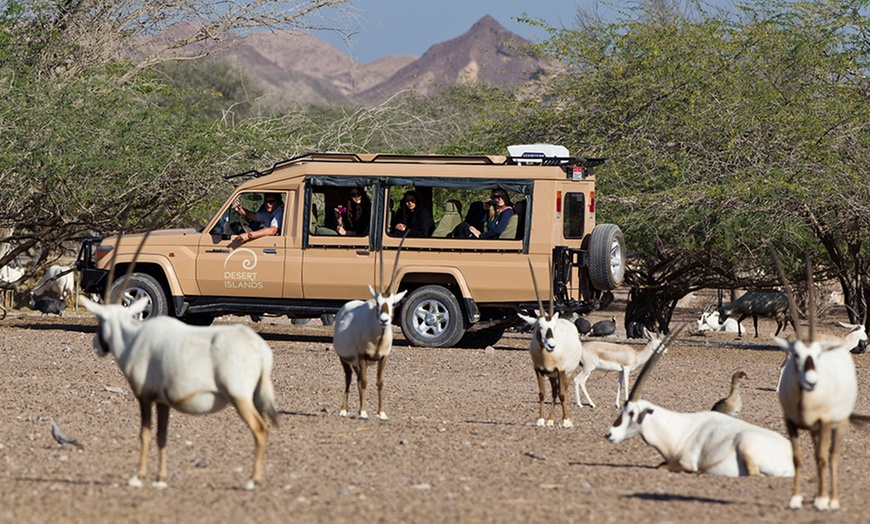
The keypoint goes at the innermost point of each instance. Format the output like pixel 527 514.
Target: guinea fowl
pixel 584 327
pixel 602 328
pixel 731 404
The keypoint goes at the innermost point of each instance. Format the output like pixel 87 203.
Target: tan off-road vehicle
pixel 461 291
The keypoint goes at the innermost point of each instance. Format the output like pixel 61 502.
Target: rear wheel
pixel 431 317
pixel 139 286
pixel 606 257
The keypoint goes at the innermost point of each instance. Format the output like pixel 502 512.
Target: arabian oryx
pixel 195 370
pixel 702 442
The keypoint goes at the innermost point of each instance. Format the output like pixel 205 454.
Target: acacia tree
pixel 92 140
pixel 727 131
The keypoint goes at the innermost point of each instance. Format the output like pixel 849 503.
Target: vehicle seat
pixel 452 218
pixel 516 225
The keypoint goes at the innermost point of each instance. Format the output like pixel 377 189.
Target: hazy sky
pixel 410 27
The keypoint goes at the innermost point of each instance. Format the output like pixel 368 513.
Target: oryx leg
pixel 839 434
pixel 542 394
pixel 563 398
pixel 162 428
pixel 348 373
pixel 361 383
pixel 144 440
pixel 554 387
pixel 796 497
pixel 382 364
pixel 822 444
pixel 260 430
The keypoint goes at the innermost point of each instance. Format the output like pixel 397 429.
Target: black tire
pixel 480 339
pixel 142 285
pixel 606 257
pixel 327 319
pixel 431 317
pixel 299 321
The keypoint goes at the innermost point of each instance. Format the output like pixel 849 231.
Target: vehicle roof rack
pixel 371 158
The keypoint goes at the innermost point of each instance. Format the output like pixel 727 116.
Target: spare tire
pixel 606 257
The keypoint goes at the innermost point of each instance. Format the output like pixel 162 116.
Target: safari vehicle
pixel 461 291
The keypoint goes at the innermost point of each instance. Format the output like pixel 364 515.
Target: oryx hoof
pixel 567 423
pixel 363 415
pixel 551 423
pixel 541 422
pixel 250 485
pixel 383 416
pixel 342 413
pixel 822 503
pixel 134 482
pixel 159 484
pixel 796 502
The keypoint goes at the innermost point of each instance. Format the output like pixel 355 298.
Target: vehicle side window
pixel 338 211
pixel 234 223
pixel 575 214
pixel 454 210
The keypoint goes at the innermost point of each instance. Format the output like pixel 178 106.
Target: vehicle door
pixel 251 269
pixel 338 260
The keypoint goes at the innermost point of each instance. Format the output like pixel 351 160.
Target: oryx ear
pixel 783 344
pixel 644 412
pixel 373 292
pixel 529 320
pixel 555 316
pixel 399 296
pixel 139 306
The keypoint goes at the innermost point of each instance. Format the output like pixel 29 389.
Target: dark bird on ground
pixel 49 305
pixel 602 328
pixel 731 404
pixel 584 327
pixel 62 437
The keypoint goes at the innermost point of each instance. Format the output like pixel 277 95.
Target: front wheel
pixel 431 317
pixel 606 257
pixel 139 286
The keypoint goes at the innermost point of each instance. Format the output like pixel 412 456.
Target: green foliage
pixel 726 131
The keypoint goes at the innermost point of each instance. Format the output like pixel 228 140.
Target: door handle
pixel 270 251
pixel 363 252
pixel 217 250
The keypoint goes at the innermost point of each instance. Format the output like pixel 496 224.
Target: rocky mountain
pixel 296 67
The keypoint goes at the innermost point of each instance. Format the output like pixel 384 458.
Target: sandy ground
pixel 461 443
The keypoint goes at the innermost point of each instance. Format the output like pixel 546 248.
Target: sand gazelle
pixel 364 334
pixel 556 352
pixel 610 356
pixel 818 391
pixel 195 370
pixel 702 442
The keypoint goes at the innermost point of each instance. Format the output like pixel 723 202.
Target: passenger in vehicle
pixel 271 216
pixel 354 218
pixel 411 219
pixel 499 213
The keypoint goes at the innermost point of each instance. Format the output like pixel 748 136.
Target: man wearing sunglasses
pixel 271 216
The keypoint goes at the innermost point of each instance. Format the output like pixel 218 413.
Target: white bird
pixel 61 437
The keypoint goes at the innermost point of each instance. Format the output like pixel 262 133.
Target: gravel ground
pixel 461 443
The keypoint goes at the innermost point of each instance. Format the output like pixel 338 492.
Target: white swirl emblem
pixel 248 263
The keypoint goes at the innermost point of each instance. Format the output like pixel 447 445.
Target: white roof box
pixel 536 153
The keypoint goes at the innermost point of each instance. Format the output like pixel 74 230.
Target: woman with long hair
pixel 354 219
pixel 500 211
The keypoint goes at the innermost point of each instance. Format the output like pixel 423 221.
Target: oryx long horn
pixel 395 265
pixel 132 264
pixel 792 305
pixel 657 354
pixel 537 293
pixel 552 295
pixel 811 299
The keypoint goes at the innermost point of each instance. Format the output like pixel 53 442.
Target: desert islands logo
pixel 247 277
